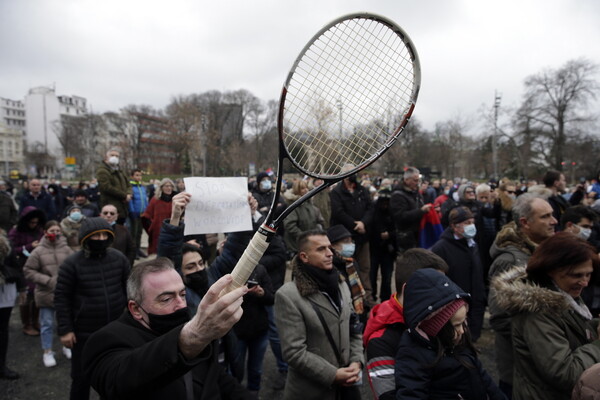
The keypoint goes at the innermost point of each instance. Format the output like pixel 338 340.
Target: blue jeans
pixel 256 349
pixel 274 341
pixel 46 327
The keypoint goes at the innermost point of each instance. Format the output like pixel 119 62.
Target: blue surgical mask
pixel 266 184
pixel 75 216
pixel 348 250
pixel 470 231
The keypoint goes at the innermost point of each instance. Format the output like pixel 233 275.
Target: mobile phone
pixel 251 283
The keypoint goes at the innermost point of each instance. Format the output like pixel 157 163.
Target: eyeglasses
pixel 108 213
pixel 510 191
pixel 469 191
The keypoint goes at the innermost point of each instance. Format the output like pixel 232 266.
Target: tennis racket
pixel 345 101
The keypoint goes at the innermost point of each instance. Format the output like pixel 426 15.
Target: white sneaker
pixel 67 352
pixel 49 360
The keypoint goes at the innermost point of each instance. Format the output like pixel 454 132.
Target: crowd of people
pixel 391 277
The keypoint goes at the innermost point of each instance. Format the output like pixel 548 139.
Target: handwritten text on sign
pixel 217 205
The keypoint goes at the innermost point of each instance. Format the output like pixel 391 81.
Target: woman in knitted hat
pixel 554 337
pixel 436 358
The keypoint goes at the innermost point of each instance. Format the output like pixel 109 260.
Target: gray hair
pixel 410 172
pixel 139 271
pixel 482 188
pixel 162 183
pixel 523 207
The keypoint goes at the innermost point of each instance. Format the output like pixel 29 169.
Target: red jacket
pixel 381 339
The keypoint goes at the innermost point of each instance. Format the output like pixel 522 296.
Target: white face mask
pixel 114 160
pixel 584 233
pixel 470 231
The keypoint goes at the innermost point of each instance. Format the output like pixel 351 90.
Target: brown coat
pixel 42 268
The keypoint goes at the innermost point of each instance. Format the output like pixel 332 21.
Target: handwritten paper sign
pixel 217 205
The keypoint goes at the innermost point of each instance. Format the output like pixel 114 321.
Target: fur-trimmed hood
pixel 509 236
pixel 516 294
pixel 305 284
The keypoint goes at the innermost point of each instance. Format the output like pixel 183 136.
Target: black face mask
pixel 197 281
pixel 162 324
pixel 97 246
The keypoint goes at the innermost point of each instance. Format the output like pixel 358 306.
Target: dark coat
pixel 43 202
pixel 417 374
pixel 8 212
pixel 255 321
pixel 124 242
pixel 125 360
pixel 465 270
pixel 405 206
pixel 22 236
pixel 348 207
pixel 91 292
pixel 114 188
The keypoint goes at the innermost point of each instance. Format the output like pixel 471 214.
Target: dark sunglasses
pixel 108 213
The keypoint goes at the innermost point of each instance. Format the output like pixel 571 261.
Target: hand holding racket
pixel 347 98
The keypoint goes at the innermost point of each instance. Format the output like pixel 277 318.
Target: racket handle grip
pixel 250 258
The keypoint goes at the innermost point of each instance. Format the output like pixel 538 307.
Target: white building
pixel 43 110
pixel 12 132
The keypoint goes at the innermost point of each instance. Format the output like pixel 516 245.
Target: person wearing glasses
pixel 123 240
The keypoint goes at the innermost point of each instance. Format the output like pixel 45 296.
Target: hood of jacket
pixel 91 226
pixel 516 294
pixel 511 236
pixel 382 315
pixel 305 284
pixel 27 215
pixel 427 291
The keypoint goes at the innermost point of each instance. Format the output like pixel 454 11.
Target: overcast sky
pixel 120 52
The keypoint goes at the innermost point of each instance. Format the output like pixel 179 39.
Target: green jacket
pixel 114 188
pixel 302 219
pixel 552 343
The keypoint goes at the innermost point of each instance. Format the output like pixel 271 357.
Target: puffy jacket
pixel 381 340
pixel 418 375
pixel 139 199
pixel 91 288
pixel 553 344
pixel 42 267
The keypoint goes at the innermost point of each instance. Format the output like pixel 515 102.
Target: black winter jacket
pixel 405 206
pixel 417 374
pixel 90 292
pixel 466 271
pixel 124 360
pixel 348 207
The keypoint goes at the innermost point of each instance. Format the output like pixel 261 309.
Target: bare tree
pixel 555 102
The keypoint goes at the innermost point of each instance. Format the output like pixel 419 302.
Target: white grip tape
pixel 244 267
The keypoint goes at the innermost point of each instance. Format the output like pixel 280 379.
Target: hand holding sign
pixel 217 205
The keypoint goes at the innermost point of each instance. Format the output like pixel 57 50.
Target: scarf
pixel 326 280
pixel 579 307
pixel 167 197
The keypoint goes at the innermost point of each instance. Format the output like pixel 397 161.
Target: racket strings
pixel 346 96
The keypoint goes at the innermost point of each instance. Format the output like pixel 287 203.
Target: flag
pixel 430 230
